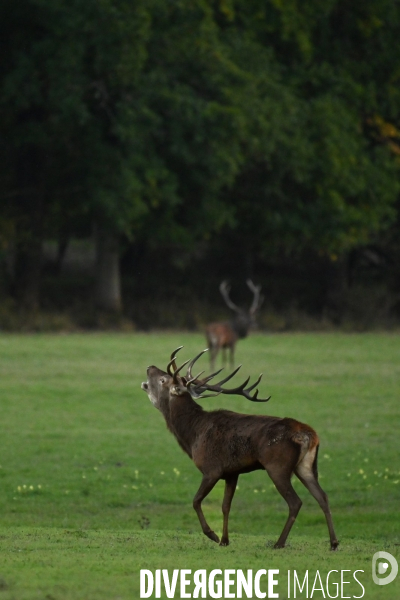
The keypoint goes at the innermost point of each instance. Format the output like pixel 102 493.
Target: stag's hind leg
pixel 307 472
pixel 284 486
pixel 232 356
pixel 230 488
pixel 223 354
pixel 205 488
pixel 281 472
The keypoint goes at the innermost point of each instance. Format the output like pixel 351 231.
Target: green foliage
pixel 159 105
pixel 71 68
pixel 173 123
pixel 325 183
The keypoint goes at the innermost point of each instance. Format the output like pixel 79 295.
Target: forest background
pixel 151 149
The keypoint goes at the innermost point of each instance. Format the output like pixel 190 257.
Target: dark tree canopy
pixel 175 125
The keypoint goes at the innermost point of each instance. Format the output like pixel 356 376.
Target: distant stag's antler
pixel 225 288
pixel 197 386
pixel 258 299
pixel 224 335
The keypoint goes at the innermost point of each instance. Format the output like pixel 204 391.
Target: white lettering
pixel 215 593
pixel 200 579
pixel 272 583
pixel 334 584
pixel 359 583
pixel 228 583
pixel 257 578
pixel 320 589
pixel 343 582
pixel 242 583
pixel 170 588
pixel 184 583
pixel 305 581
pixel 146 576
pixel 158 583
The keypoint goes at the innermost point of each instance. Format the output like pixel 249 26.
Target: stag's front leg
pixel 205 488
pixel 232 356
pixel 213 356
pixel 230 488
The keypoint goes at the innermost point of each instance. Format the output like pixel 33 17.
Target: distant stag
pixel 223 336
pixel 224 444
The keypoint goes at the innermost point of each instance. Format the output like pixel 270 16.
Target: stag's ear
pixel 177 389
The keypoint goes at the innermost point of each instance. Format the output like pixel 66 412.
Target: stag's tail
pixel 308 441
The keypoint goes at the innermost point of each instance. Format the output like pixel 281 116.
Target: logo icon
pixel 380 565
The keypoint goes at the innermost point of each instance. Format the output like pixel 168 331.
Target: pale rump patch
pixel 304 435
pixel 213 339
pixel 304 466
pixel 306 440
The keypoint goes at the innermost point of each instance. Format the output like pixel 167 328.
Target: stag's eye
pixel 162 380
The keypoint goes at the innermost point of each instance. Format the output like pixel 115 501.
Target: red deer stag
pixel 225 335
pixel 224 444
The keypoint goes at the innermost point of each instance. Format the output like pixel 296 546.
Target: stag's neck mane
pixel 241 325
pixel 183 419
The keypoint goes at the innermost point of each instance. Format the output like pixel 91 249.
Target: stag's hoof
pixel 224 542
pixel 278 546
pixel 213 536
pixel 334 546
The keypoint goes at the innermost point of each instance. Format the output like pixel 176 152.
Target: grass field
pixel 94 488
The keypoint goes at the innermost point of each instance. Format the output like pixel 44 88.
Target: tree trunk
pixel 28 263
pixel 28 251
pixel 108 281
pixel 29 214
pixel 338 287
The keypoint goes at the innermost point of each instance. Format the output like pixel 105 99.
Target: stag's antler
pixel 198 386
pixel 172 361
pixel 258 298
pixel 225 288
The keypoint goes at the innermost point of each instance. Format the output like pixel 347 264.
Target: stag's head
pixel 245 319
pixel 157 386
pixel 163 386
pixel 160 385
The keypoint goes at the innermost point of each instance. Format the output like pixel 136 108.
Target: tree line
pixel 240 133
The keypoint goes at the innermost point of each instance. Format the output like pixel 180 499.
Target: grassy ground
pixel 93 487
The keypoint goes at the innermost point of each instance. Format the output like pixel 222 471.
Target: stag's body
pixel 224 444
pixel 224 335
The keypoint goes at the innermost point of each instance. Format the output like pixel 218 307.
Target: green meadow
pixel 93 487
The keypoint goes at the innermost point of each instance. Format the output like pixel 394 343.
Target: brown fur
pixel 223 336
pixel 225 444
